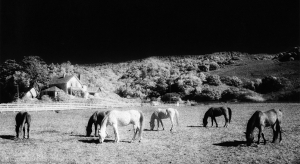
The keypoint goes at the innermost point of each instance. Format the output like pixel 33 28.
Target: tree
pixel 36 69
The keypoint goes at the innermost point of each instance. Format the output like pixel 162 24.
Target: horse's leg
pixel 279 134
pixel 260 132
pixel 212 121
pixel 96 126
pixel 275 134
pixel 157 123
pixel 216 121
pixel 24 131
pixel 116 133
pixel 135 130
pixel 226 121
pixel 28 129
pixel 171 118
pixel 162 124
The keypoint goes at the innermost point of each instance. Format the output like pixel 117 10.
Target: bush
pixel 213 80
pixel 204 68
pixel 213 66
pixel 170 97
pixel 231 81
pixel 241 95
pixel 249 85
pixel 208 94
pixel 46 98
pixel 230 94
pixel 62 96
pixel 272 84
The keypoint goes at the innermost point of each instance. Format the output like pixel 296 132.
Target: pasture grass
pixel 60 138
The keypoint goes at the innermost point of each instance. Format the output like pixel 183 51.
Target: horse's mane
pixel 206 115
pixel 92 119
pixel 251 122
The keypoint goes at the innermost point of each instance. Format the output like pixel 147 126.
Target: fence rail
pixel 61 106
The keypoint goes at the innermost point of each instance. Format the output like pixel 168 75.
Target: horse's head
pixel 249 138
pixel 102 135
pixel 204 122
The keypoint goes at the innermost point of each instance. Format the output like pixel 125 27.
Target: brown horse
pixel 95 119
pixel 214 112
pixel 260 120
pixel 22 118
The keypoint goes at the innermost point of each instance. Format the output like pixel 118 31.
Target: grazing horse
pixel 22 118
pixel 160 114
pixel 260 120
pixel 117 118
pixel 95 119
pixel 214 112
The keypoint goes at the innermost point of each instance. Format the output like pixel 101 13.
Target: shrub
pixel 272 84
pixel 213 80
pixel 202 76
pixel 62 96
pixel 249 85
pixel 236 81
pixel 213 66
pixel 208 94
pixel 241 95
pixel 170 97
pixel 46 98
pixel 231 81
pixel 204 68
pixel 230 94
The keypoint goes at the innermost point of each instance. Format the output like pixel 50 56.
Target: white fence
pixel 61 106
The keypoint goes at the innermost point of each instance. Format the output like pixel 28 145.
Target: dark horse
pixel 260 120
pixel 214 112
pixel 22 118
pixel 95 119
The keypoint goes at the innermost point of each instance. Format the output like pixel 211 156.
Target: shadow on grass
pixel 149 130
pixel 79 135
pixel 96 141
pixel 234 143
pixel 192 126
pixel 7 137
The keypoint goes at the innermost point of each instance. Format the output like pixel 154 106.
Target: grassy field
pixel 60 138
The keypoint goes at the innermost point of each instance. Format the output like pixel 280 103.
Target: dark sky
pixel 114 30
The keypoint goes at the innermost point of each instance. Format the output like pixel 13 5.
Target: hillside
pixel 222 76
pixel 153 77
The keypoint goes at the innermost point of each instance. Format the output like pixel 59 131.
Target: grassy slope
pixel 252 69
pixel 59 138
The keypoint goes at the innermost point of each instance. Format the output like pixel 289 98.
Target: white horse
pixel 117 118
pixel 160 114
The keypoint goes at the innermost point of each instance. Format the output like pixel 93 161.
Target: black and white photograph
pixel 208 81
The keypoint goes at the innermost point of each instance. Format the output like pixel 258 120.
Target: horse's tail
pixel 24 119
pixel 28 119
pixel 176 115
pixel 141 124
pixel 230 113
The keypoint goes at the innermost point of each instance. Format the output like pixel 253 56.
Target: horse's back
pixel 124 118
pixel 217 111
pixel 273 115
